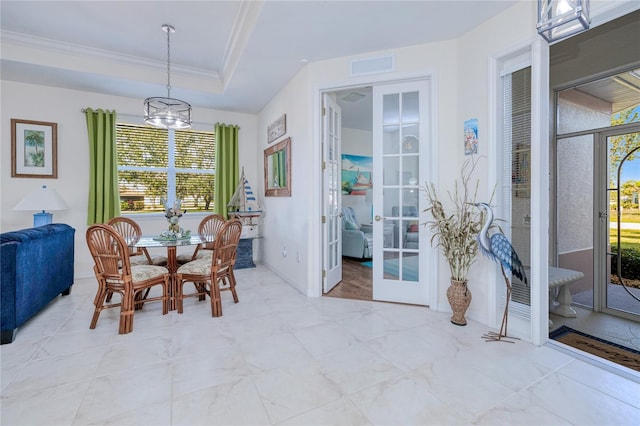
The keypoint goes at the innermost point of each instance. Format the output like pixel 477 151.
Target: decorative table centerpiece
pixel 173 215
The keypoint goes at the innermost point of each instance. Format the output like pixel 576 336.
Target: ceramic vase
pixel 459 297
pixel 174 225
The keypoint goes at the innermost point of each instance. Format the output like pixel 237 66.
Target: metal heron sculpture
pixel 498 248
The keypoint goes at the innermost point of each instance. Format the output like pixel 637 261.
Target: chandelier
pixel 167 113
pixel 558 19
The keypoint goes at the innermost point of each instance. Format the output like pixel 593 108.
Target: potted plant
pixel 456 233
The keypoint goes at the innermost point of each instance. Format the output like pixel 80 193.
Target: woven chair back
pixel 110 253
pixel 130 231
pixel 226 244
pixel 209 228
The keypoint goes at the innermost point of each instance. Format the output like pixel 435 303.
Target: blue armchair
pixel 404 234
pixel 355 242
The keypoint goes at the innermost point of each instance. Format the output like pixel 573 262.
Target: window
pixel 516 89
pixel 156 164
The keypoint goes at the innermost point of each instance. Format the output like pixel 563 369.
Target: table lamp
pixel 42 199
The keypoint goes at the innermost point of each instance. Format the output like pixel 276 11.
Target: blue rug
pixel 368 264
pixel 409 268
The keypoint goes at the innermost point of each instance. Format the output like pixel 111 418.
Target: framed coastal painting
pixel 34 146
pixel 356 174
pixel 471 136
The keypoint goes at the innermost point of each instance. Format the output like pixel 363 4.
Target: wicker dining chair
pixel 213 275
pixel 115 274
pixel 208 228
pixel 131 231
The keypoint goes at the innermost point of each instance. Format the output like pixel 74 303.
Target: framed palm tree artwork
pixel 34 147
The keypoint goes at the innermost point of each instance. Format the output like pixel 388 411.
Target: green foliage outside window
pixel 619 146
pixel 147 169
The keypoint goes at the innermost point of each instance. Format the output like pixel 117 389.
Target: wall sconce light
pixel 558 19
pixel 42 199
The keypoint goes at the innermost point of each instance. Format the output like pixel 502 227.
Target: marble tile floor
pixel 280 358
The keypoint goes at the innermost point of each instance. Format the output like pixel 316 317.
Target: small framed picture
pixel 277 128
pixel 34 146
pixel 471 136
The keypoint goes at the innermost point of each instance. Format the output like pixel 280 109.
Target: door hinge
pixel 324 165
pixel 324 219
pixel 324 274
pixel 324 111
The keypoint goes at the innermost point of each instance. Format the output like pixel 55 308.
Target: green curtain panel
pixel 279 169
pixel 104 197
pixel 276 171
pixel 282 168
pixel 227 166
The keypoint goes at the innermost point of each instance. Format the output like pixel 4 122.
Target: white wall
pixel 357 142
pixel 474 100
pixel 61 106
pixel 285 246
pixel 459 71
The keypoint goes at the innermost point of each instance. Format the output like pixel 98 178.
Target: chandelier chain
pixel 168 62
pixel 167 113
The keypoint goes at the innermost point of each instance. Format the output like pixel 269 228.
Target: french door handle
pixel 378 218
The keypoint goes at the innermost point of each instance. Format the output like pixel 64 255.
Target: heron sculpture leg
pixel 502 336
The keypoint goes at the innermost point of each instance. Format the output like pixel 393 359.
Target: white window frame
pixel 535 328
pixel 171 169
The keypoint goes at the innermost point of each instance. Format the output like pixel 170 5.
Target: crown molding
pixel 243 25
pixel 63 48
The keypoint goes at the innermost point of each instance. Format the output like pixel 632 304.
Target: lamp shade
pixel 42 199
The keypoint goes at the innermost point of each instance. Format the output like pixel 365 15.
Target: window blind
pixel 517 158
pixel 156 164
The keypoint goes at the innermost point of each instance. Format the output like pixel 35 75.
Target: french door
pixel 618 290
pixel 401 145
pixel 597 199
pixel 332 247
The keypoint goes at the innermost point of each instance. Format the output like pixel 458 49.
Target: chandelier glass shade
pixel 167 113
pixel 559 19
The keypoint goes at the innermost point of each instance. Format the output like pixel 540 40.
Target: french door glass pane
pixel 401 146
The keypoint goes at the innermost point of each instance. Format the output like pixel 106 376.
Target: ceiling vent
pixel 353 97
pixel 376 65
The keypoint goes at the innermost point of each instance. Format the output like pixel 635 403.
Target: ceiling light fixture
pixel 353 97
pixel 167 113
pixel 558 19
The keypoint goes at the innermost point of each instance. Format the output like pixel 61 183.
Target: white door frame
pixel 398 289
pixel 316 227
pixel 535 328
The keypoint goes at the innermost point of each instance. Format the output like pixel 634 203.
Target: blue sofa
pixel 37 265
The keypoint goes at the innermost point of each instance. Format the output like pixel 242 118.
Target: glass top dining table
pixel 172 246
pixel 156 241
